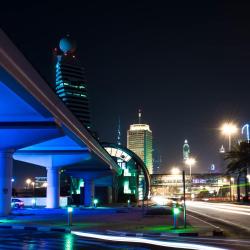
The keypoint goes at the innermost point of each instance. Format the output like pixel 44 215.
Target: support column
pixel 6 166
pixel 53 187
pixel 89 192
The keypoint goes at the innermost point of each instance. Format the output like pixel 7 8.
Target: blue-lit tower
pixel 70 82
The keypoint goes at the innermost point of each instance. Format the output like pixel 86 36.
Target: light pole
pixel 70 211
pixel 229 129
pixel 190 162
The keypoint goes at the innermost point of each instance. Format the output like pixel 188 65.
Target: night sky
pixel 185 64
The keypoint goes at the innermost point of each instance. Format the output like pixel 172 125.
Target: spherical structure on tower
pixel 67 45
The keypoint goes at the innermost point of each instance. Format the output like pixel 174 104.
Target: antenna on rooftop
pixel 119 132
pixel 139 116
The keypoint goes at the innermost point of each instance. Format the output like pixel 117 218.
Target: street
pixel 23 239
pixel 20 239
pixel 232 214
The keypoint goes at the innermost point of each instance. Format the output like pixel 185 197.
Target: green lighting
pixel 70 209
pixel 176 210
pixel 95 201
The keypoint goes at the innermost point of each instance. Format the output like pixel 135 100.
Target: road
pixel 232 214
pixel 34 240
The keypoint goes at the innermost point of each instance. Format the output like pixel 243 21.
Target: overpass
pixel 36 127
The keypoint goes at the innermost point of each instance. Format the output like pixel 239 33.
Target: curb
pixel 34 228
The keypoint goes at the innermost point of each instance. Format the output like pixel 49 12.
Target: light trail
pixel 225 205
pixel 222 220
pixel 224 209
pixel 147 241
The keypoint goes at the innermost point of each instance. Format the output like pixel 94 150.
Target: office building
pixel 70 82
pixel 139 140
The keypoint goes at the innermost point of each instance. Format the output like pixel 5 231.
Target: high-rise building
pixel 70 83
pixel 139 140
pixel 186 150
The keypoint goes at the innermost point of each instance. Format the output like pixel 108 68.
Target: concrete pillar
pixel 53 187
pixel 89 192
pixel 6 166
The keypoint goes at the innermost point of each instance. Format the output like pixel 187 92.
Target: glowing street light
pixel 229 129
pixel 175 171
pixel 176 212
pixel 28 181
pixel 95 202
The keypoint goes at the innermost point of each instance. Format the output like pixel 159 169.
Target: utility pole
pixel 139 116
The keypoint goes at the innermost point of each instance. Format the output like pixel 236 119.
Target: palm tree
pixel 238 162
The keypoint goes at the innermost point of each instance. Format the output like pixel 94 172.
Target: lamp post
pixel 95 203
pixel 190 162
pixel 70 211
pixel 229 129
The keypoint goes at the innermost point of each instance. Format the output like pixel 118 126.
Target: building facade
pixel 70 82
pixel 210 184
pixel 139 140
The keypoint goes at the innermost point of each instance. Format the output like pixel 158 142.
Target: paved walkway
pixel 103 219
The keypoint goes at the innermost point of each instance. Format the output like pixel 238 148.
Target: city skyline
pixel 125 125
pixel 200 74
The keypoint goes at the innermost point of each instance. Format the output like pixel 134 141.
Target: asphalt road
pixel 32 240
pixel 231 214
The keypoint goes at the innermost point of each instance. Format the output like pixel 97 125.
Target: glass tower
pixel 70 83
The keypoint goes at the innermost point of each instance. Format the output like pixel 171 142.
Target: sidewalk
pixel 129 220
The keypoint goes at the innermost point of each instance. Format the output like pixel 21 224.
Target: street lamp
pixel 229 129
pixel 95 202
pixel 190 162
pixel 70 211
pixel 28 181
pixel 175 171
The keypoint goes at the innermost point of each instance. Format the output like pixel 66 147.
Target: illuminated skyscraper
pixel 186 150
pixel 139 140
pixel 70 83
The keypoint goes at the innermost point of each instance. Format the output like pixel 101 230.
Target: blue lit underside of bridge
pixel 36 127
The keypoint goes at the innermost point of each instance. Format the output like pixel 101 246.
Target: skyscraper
pixel 70 83
pixel 186 150
pixel 139 140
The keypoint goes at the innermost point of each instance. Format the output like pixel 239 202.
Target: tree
pixel 238 161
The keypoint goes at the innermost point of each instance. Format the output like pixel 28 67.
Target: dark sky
pixel 185 64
